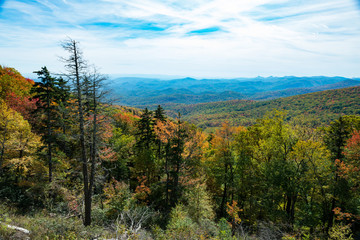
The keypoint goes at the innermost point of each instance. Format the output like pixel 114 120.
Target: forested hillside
pixel 314 109
pixel 74 166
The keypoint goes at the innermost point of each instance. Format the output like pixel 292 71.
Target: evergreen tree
pixel 146 135
pixel 46 92
pixel 159 114
pixel 176 161
pixel 145 161
pixel 62 97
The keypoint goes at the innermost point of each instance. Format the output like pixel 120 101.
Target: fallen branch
pixel 16 228
pixel 71 216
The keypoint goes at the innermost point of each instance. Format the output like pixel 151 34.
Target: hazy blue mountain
pixel 133 91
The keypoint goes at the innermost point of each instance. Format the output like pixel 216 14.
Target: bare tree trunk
pixel 87 195
pixel 167 178
pixel 93 147
pixel 76 66
pixel 223 200
pixel 49 135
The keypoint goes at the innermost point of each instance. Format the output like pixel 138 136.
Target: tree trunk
pixel 223 200
pixel 87 196
pixel 49 135
pixel 93 150
pixel 333 202
pixel 167 177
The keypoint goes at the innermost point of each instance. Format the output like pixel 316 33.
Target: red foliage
pixel 352 148
pixel 21 104
pixel 13 82
pixel 15 91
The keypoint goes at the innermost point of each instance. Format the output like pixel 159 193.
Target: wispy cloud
pixel 201 38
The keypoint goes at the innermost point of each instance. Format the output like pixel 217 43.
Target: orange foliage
pixel 142 191
pixel 352 149
pixel 233 210
pixel 125 118
pixel 107 154
pixel 350 167
pixel 13 82
pixel 15 91
pixel 345 216
pixel 164 130
pixel 195 146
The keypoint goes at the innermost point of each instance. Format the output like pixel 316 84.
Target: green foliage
pixel 118 198
pixel 180 225
pixel 199 205
pixel 340 232
pixel 314 108
pixel 224 230
pixel 278 178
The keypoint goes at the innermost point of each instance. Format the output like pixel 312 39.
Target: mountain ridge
pixel 317 108
pixel 138 92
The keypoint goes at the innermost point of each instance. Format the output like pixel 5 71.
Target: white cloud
pixel 256 37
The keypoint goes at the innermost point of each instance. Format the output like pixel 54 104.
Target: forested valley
pixel 75 166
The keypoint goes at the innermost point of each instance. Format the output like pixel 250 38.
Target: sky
pixel 192 38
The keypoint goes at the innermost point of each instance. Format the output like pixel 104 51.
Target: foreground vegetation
pixel 140 175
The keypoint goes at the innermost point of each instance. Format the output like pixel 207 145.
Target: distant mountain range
pixel 142 92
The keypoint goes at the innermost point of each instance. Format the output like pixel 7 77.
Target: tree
pixel 76 69
pixel 94 94
pixel 146 134
pixel 15 91
pixel 176 160
pixel 335 139
pixel 159 114
pixel 221 165
pixel 8 121
pixel 46 94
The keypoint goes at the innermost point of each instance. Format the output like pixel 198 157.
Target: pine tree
pixel 159 114
pixel 46 93
pixel 146 135
pixel 176 161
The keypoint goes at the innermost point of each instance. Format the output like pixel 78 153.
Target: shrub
pixel 180 225
pixel 340 232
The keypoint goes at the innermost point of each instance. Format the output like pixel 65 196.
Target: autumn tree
pixel 222 166
pixel 15 91
pixel 335 138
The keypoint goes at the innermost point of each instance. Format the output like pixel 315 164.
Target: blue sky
pixel 196 38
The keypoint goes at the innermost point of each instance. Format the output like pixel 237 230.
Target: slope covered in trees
pixel 75 167
pixel 314 108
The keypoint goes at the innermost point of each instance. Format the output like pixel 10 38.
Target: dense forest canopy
pixel 314 109
pixel 69 158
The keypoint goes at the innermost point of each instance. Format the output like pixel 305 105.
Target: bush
pixel 118 198
pixel 180 226
pixel 340 232
pixel 224 230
